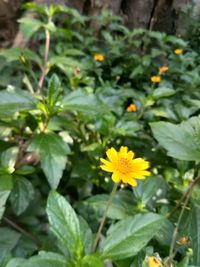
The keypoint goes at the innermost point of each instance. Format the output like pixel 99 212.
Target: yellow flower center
pixel 124 166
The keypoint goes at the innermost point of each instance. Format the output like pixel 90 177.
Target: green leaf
pixel 5 189
pixel 181 141
pixel 91 261
pixel 46 259
pixel 128 236
pixel 194 230
pixel 15 262
pixel 29 26
pixel 21 195
pixel 15 54
pixel 13 101
pixel 53 154
pixel 82 102
pixel 184 262
pixel 86 234
pixel 9 158
pixel 64 224
pixel 121 206
pixel 8 239
pixel 162 92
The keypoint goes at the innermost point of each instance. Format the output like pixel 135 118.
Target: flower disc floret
pixel 124 166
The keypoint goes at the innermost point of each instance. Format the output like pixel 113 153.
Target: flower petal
pixel 140 174
pixel 123 151
pixel 106 168
pixel 112 154
pixel 130 155
pixel 140 164
pixel 116 177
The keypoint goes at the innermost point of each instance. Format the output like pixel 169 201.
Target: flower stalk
pixel 104 217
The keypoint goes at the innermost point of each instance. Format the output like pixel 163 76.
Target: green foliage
pixel 61 110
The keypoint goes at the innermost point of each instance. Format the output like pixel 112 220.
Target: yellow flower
pixel 155 79
pixel 163 69
pixel 99 57
pixel 124 167
pixel 153 262
pixel 178 51
pixel 131 108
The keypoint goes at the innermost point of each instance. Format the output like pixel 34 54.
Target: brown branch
pixel 21 230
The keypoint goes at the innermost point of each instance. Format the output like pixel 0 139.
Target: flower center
pixel 124 165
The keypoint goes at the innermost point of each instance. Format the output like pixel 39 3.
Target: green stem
pixel 186 200
pixel 104 217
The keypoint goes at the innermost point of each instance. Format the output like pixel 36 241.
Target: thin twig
pixel 104 217
pixel 186 197
pixel 192 184
pixel 21 230
pixel 46 55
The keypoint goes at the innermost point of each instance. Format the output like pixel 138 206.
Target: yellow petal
pixel 116 177
pixel 130 155
pixel 140 174
pixel 123 151
pixel 106 168
pixel 140 164
pixel 104 161
pixel 112 154
pixel 132 182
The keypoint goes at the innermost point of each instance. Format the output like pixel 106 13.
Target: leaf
pixel 194 232
pixel 181 141
pixel 53 153
pixel 9 158
pixel 29 26
pixel 82 102
pixel 64 223
pixel 5 189
pixel 11 102
pixel 15 262
pixel 121 206
pixel 128 236
pixel 14 54
pixel 86 234
pixel 8 239
pixel 46 259
pixel 163 92
pixel 91 261
pixel 21 195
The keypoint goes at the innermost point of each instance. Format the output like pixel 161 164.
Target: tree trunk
pixel 160 15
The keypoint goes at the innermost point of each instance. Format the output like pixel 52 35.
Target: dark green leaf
pixel 46 259
pixel 65 224
pixel 83 102
pixel 91 261
pixel 29 26
pixel 5 189
pixel 11 102
pixel 8 159
pixel 162 92
pixel 181 141
pixel 127 237
pixel 53 153
pixel 21 195
pixel 8 239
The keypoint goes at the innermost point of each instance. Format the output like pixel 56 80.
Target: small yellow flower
pixel 155 79
pixel 99 57
pixel 178 51
pixel 131 108
pixel 153 262
pixel 163 70
pixel 124 167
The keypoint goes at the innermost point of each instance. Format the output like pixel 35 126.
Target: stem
pixel 21 230
pixel 186 196
pixel 46 55
pixel 190 188
pixel 104 217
